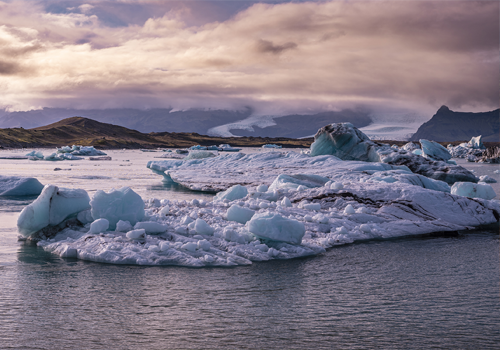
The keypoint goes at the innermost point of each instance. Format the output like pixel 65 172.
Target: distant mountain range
pixel 88 132
pixel 447 125
pixel 197 121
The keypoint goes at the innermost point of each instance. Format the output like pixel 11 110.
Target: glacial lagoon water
pixel 411 292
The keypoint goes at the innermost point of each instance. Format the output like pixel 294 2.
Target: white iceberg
pixel 368 205
pixel 276 228
pixel 239 214
pixel 472 190
pixel 232 193
pixel 51 208
pixel 19 186
pixel 122 204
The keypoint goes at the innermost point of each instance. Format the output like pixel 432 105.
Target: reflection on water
pixel 421 293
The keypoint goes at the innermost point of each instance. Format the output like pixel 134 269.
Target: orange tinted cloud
pixel 273 57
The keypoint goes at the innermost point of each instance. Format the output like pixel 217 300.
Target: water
pixel 407 293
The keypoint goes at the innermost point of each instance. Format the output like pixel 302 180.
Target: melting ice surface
pixel 276 205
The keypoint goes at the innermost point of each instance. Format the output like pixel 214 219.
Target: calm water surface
pixel 440 292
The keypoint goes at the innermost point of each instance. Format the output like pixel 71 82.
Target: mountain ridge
pixel 87 132
pixel 448 125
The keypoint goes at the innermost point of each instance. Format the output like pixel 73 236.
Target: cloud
pixel 288 57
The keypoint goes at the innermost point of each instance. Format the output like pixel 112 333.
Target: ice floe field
pixel 324 251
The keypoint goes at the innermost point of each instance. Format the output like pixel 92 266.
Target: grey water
pixel 415 292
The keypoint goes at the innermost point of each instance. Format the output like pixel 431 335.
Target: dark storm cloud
pixel 267 46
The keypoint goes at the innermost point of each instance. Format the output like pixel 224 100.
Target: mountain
pixel 297 126
pixel 160 119
pixel 447 125
pixel 198 121
pixel 88 132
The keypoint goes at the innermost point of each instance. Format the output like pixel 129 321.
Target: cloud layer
pixel 275 58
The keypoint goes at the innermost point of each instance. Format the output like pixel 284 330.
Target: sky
pixel 276 57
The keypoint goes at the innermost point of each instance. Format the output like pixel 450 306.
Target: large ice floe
pixel 241 226
pixel 346 142
pixel 19 186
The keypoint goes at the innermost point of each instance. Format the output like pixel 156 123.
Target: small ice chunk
pixel 232 193
pixel 195 202
pixel 263 205
pixel 208 258
pixel 186 220
pixel 190 246
pixel 308 218
pixel 277 228
pixel 262 188
pixel 122 204
pixel 239 214
pixel 365 228
pixel 164 211
pixel 136 234
pixel 151 227
pixel 201 227
pixel 85 217
pixel 487 179
pixel 285 202
pixel 342 230
pixel 181 230
pixel 312 206
pixel 301 188
pixel 337 186
pixel 164 246
pixel 472 190
pixel 98 226
pixel 123 226
pixel 204 245
pixel 349 209
pixel 154 248
pixel 321 219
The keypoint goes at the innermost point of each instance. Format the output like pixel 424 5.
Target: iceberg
pixel 346 142
pixel 285 170
pixel 476 142
pixel 473 190
pixel 276 228
pixel 232 193
pixel 19 186
pixel 302 223
pixel 239 214
pixel 122 204
pixel 434 151
pixel 270 145
pixel 410 147
pixel 53 206
pixel 199 155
